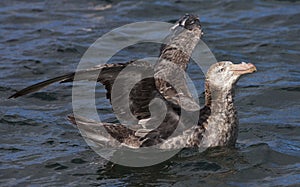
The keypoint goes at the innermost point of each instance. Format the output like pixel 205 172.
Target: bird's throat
pixel 222 125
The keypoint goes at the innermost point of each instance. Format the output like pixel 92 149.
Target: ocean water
pixel 43 39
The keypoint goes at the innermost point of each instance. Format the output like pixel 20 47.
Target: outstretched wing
pixel 105 134
pixel 167 135
pixel 140 94
pixel 177 51
pixel 106 72
pixel 170 78
pixel 116 134
pixel 170 81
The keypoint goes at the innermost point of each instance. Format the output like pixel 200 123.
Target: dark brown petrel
pixel 217 121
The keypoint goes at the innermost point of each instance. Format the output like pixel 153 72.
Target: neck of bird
pixel 218 99
pixel 221 126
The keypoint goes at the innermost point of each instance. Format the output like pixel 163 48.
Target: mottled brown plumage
pixel 221 127
pixel 170 76
pixel 182 40
pixel 216 123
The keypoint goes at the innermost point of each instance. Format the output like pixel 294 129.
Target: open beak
pixel 243 68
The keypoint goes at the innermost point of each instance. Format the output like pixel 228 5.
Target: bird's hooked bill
pixel 243 68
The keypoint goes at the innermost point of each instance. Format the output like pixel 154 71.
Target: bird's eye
pixel 221 70
pixel 192 22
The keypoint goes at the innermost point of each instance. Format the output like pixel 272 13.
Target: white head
pixel 223 75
